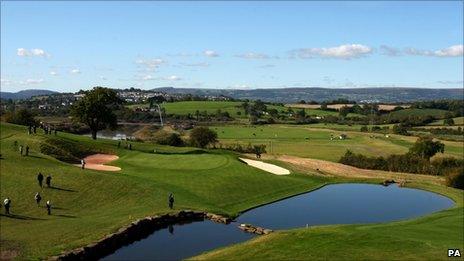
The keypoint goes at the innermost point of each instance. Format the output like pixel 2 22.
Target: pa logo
pixel 454 253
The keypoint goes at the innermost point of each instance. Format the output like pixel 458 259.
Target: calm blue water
pixel 332 204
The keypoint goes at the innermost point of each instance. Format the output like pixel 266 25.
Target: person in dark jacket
pixel 49 207
pixel 48 180
pixel 7 204
pixel 27 150
pixel 171 201
pixel 40 178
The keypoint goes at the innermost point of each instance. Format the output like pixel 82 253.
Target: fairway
pixel 87 204
pixel 190 107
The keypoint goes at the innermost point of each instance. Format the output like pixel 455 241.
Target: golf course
pixel 89 204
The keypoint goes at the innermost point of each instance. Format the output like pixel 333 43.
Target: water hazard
pixel 332 204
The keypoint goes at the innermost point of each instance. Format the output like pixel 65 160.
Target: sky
pixel 68 46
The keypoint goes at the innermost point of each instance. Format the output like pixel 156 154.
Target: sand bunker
pixel 96 162
pixel 271 168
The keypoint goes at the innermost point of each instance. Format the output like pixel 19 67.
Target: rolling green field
pixel 232 107
pixel 457 121
pixel 306 141
pixel 419 112
pixel 87 204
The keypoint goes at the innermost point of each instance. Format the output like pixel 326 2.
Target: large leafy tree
pixel 426 148
pixel 96 109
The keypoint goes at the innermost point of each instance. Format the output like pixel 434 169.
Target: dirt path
pixel 338 169
pixel 96 162
pixel 271 168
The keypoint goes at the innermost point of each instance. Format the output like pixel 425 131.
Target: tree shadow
pixel 53 207
pixel 64 215
pixel 62 189
pixel 20 217
pixel 32 156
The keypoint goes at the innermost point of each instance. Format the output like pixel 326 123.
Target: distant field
pixel 419 112
pixel 385 107
pixel 306 141
pixel 186 107
pixel 457 121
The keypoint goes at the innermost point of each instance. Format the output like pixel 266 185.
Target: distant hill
pixel 288 95
pixel 24 94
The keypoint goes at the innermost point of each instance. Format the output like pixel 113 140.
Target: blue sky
pixel 67 46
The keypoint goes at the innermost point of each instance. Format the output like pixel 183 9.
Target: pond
pixel 331 204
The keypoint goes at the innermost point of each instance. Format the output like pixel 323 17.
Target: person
pixel 55 131
pixel 38 198
pixel 29 131
pixel 35 129
pixel 48 180
pixel 119 144
pixel 21 149
pixel 82 163
pixel 27 150
pixel 171 201
pixel 130 146
pixel 49 207
pixel 40 178
pixel 15 144
pixel 7 204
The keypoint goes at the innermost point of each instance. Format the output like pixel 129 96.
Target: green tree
pixel 343 112
pixel 449 122
pixel 21 117
pixel 202 137
pixel 96 109
pixel 426 148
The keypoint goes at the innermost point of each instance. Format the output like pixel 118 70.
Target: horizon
pixel 231 45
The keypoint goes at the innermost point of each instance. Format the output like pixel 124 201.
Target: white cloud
pixel 31 81
pixel 5 82
pixel 148 78
pixel 211 53
pixel 390 51
pixel 252 55
pixel 53 73
pixel 346 51
pixel 167 78
pixel 452 51
pixel 75 71
pixel 267 66
pixel 201 64
pixel 32 52
pixel 150 64
pixel 450 82
pixel 173 78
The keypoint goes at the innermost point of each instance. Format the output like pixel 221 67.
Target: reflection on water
pixel 332 204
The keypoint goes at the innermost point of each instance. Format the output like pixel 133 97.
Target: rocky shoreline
pixel 136 231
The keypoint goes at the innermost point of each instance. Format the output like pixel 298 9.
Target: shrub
pixel 455 178
pixel 166 138
pixel 202 137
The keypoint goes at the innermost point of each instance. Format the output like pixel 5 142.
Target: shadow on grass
pixel 20 217
pixel 37 157
pixel 64 215
pixel 62 189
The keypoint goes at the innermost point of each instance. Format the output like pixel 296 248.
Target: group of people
pixel 23 151
pixel 127 145
pixel 37 197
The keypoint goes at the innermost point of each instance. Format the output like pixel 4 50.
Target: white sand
pixel 271 168
pixel 96 162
